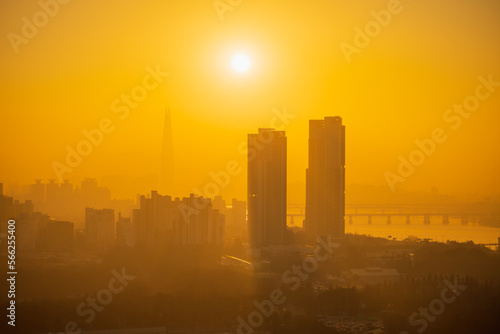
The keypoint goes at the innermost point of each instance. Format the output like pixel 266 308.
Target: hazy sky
pixel 65 77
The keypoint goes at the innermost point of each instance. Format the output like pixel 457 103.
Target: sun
pixel 240 63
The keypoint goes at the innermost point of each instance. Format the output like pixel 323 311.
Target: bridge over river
pixel 420 213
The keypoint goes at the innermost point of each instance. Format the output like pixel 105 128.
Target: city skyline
pixel 393 91
pixel 250 167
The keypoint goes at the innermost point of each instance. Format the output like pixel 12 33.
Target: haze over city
pixel 230 166
pixel 396 90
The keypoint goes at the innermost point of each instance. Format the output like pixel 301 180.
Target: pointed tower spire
pixel 167 163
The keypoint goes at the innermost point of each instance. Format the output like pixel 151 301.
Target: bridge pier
pixel 350 219
pixel 427 219
pixel 388 219
pixel 446 220
pixel 369 219
pixel 408 220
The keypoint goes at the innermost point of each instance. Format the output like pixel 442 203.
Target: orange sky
pixel 394 91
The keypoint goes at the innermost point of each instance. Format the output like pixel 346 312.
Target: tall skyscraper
pixel 167 159
pixel 325 179
pixel 267 187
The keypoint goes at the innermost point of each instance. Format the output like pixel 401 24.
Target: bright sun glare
pixel 240 62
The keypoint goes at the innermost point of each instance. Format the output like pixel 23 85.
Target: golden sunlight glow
pixel 229 78
pixel 240 62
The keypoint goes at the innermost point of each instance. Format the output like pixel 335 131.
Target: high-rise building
pixel 167 177
pixel 125 236
pixel 53 235
pixel 37 194
pixel 60 236
pixel 325 179
pixel 219 204
pixel 198 222
pixel 267 187
pixel 236 221
pixel 161 222
pixel 25 226
pixel 52 197
pixel 94 196
pixel 100 229
pixel 235 216
pixel 154 221
pixel 6 212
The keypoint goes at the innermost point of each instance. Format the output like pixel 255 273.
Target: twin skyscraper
pixel 325 183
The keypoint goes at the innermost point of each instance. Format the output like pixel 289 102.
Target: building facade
pixel 100 229
pixel 325 179
pixel 267 172
pixel 161 222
